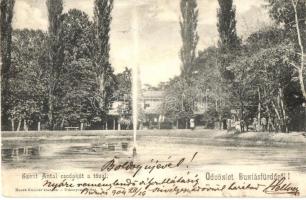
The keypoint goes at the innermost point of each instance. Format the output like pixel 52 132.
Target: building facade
pixel 152 103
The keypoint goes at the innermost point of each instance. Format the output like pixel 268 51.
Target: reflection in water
pixel 97 148
pixel 20 153
pixel 26 153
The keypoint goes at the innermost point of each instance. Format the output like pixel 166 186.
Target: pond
pixel 89 152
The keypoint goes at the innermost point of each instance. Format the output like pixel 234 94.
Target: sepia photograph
pixel 153 98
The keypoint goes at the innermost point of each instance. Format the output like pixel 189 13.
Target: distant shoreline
pixel 285 138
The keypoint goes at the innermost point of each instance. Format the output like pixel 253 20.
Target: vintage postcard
pixel 153 98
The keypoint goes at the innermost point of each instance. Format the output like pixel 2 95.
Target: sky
pixel 158 30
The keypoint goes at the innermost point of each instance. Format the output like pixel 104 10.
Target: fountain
pixel 135 75
pixel 135 109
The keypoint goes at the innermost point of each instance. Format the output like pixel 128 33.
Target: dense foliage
pixel 62 77
pixel 29 84
pixel 6 16
pixel 255 80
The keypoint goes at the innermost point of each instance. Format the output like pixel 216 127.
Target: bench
pixel 71 128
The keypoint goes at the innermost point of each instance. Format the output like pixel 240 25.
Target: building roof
pixel 156 94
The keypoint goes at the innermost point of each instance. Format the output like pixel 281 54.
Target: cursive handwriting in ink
pixel 54 186
pixel 130 165
pixel 245 186
pixel 94 192
pixel 281 187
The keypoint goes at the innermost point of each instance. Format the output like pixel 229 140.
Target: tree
pixel 301 43
pixel 208 78
pixel 291 17
pixel 181 105
pixel 275 76
pixel 28 86
pixel 228 39
pixel 6 16
pixel 263 78
pixel 179 101
pixel 190 38
pixel 78 83
pixel 55 9
pixel 123 93
pixel 124 84
pixel 104 71
pixel 229 45
pixel 283 13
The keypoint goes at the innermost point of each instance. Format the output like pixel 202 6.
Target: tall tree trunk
pixel 284 113
pixel 276 111
pixel 242 115
pixel 82 126
pixel 13 124
pixel 259 107
pixel 216 102
pixel 38 126
pixel 278 116
pixel 62 123
pixel 25 126
pixel 50 112
pixel 301 78
pixel 19 124
pixel 270 119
